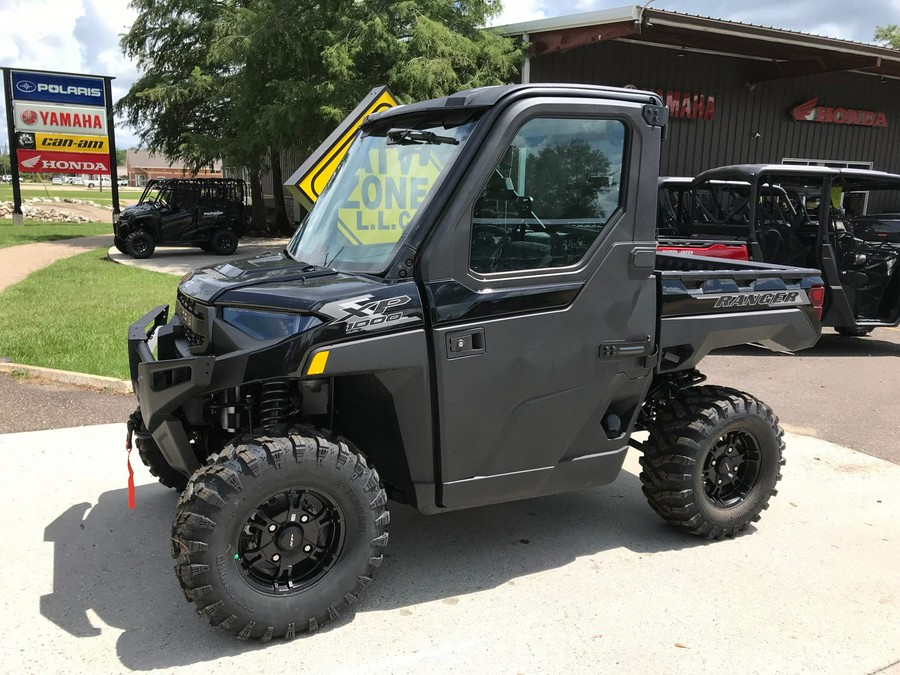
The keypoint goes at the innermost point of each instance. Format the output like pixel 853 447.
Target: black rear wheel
pixel 853 331
pixel 712 461
pixel 223 242
pixel 153 459
pixel 279 535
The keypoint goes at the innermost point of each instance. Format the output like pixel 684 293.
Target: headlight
pixel 263 325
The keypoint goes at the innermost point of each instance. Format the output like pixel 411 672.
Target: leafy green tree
pixel 241 80
pixel 888 35
pixel 567 180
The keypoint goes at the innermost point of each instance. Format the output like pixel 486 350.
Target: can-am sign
pixel 811 111
pixel 54 88
pixel 39 161
pixel 26 140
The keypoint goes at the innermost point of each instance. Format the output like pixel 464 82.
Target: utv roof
pixel 195 180
pixel 748 172
pixel 687 181
pixel 485 97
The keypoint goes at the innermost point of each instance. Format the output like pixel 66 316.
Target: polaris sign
pixel 52 88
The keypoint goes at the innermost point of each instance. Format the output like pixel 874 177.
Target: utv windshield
pixel 370 204
pixel 157 194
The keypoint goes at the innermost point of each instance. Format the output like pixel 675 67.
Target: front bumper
pixel 171 387
pixel 163 386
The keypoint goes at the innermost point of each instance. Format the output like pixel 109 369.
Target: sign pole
pixel 111 134
pixel 18 218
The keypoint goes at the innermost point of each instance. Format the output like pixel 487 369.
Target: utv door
pixel 863 287
pixel 543 306
pixel 179 218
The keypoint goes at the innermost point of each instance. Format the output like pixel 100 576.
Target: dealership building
pixel 736 93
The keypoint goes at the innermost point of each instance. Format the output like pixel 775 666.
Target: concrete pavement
pixel 17 262
pixel 583 583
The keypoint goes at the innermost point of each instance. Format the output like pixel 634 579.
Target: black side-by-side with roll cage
pixel 208 213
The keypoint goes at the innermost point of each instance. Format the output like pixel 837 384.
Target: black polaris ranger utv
pixel 473 312
pixel 800 215
pixel 204 212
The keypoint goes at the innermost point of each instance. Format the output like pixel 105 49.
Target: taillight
pixel 817 298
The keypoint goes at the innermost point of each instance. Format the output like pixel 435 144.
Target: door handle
pixel 465 343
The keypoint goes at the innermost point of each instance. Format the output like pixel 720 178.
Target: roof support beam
pixel 565 39
pixel 780 70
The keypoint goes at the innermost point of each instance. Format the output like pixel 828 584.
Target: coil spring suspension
pixel 275 402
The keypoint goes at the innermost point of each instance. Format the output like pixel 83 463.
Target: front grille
pixel 194 339
pixel 191 305
pixel 195 324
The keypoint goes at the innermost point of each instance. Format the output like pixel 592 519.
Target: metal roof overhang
pixel 780 53
pixel 748 172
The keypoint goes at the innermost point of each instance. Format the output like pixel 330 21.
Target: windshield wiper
pixel 412 136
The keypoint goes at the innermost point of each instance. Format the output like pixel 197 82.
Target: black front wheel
pixel 712 461
pixel 279 535
pixel 140 244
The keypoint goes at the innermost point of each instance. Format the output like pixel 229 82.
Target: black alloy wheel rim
pixel 290 541
pixel 226 241
pixel 139 244
pixel 731 469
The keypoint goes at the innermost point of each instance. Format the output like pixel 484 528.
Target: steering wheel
pixel 780 245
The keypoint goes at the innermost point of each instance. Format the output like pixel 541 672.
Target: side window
pixel 550 196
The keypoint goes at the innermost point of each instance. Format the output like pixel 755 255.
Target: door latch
pixel 624 349
pixel 465 343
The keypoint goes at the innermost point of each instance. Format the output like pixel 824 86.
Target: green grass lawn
pixel 74 314
pixel 35 231
pixel 127 196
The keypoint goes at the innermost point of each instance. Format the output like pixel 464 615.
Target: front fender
pixel 376 381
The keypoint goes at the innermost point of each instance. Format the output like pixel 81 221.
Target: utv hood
pixel 277 281
pixel 136 210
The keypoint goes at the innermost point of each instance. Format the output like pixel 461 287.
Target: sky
pixel 82 36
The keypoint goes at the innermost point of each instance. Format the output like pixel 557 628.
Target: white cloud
pixel 521 10
pixel 72 36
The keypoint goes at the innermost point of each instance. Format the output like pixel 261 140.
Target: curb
pixel 98 382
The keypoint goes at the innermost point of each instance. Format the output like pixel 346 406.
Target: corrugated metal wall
pixel 741 112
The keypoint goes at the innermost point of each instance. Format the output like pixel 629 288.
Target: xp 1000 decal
pixel 367 313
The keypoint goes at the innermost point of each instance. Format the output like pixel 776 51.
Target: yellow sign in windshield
pixel 387 191
pixel 307 182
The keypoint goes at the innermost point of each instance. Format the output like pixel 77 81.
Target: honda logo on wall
pixel 811 111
